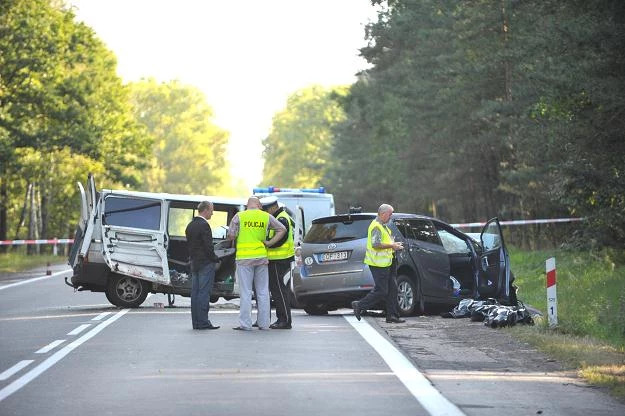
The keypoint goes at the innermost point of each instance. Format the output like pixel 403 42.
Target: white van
pixel 303 204
pixel 128 244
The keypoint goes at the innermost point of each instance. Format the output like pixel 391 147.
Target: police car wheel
pixel 316 309
pixel 126 291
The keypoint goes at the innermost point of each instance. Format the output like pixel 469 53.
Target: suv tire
pixel 316 309
pixel 126 291
pixel 409 298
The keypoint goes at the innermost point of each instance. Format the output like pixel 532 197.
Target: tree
pixel 188 153
pixel 59 93
pixel 299 144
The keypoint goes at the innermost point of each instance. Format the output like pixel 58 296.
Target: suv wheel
pixel 316 309
pixel 409 299
pixel 126 291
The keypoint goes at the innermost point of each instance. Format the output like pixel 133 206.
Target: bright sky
pixel 247 56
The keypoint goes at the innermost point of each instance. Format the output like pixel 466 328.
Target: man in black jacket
pixel 203 261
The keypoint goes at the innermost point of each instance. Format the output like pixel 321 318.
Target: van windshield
pixel 334 232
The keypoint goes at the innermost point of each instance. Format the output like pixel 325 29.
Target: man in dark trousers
pixel 280 257
pixel 203 261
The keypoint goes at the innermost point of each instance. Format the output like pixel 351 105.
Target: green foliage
pixel 298 147
pixel 590 290
pixel 188 153
pixel 62 108
pixel 489 108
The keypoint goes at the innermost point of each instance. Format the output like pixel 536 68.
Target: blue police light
pixel 273 189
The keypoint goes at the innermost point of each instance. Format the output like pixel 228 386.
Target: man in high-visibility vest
pixel 249 228
pixel 379 257
pixel 280 255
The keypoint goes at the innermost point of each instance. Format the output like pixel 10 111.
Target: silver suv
pixel 439 264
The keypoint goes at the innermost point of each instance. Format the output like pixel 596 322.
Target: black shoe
pixel 255 324
pixel 356 309
pixel 280 325
pixel 211 326
pixel 394 320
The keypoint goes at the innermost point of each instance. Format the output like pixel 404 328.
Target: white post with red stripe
pixel 552 299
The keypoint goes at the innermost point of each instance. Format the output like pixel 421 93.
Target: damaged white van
pixel 128 244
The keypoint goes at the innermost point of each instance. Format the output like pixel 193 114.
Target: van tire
pixel 126 291
pixel 409 298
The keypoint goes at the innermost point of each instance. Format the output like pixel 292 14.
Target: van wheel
pixel 409 298
pixel 316 309
pixel 126 291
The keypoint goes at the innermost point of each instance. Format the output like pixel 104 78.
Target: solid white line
pixel 102 315
pixel 420 387
pixel 79 329
pixel 17 367
pixel 56 357
pixel 50 346
pixel 23 282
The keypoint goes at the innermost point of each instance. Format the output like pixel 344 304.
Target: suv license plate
pixel 335 256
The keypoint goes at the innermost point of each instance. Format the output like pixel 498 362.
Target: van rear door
pixel 86 223
pixel 133 237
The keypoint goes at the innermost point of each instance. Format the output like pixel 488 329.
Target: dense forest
pixel 467 110
pixel 477 109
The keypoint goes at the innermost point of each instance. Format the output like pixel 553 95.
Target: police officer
pixel 379 257
pixel 280 256
pixel 250 228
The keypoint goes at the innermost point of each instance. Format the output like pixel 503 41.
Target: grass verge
pixel 590 335
pixel 17 262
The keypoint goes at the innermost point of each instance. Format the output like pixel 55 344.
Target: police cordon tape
pixel 463 225
pixel 518 222
pixel 23 242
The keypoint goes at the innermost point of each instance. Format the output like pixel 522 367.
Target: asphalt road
pixel 67 353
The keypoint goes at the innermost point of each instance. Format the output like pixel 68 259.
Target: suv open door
pixel 494 275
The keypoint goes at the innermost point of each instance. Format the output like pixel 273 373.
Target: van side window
pixel 132 212
pixel 179 218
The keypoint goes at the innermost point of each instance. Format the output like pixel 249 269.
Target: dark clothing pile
pixel 491 313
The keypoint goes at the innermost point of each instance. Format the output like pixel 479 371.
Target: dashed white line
pixel 56 357
pixel 101 316
pixel 17 367
pixel 50 346
pixel 420 387
pixel 79 329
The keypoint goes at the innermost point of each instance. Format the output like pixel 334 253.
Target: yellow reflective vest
pixel 252 230
pixel 287 249
pixel 379 257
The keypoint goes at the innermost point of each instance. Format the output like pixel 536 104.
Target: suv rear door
pixel 133 237
pixel 494 275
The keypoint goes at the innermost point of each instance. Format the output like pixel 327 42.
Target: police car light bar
pixel 273 189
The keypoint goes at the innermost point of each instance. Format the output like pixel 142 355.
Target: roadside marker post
pixel 552 300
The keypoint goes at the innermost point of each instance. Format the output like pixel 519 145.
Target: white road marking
pixel 420 387
pixel 50 346
pixel 23 282
pixel 56 357
pixel 17 367
pixel 79 329
pixel 101 316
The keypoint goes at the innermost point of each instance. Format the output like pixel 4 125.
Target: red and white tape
pixel 519 222
pixel 24 242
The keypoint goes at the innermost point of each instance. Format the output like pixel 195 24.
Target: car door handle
pixel 485 263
